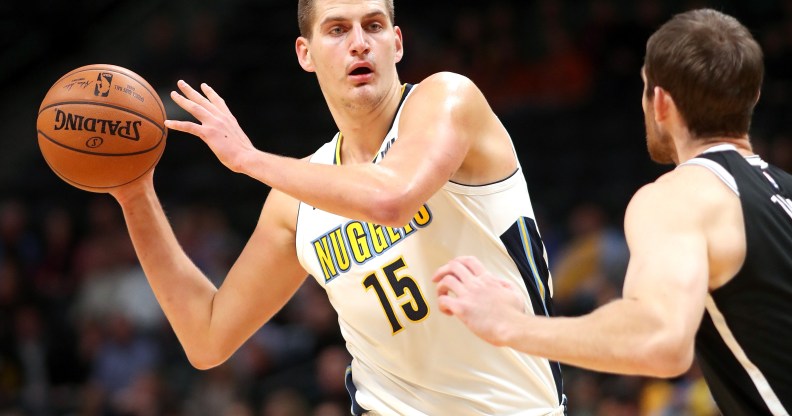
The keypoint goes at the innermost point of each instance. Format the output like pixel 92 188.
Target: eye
pixel 375 27
pixel 336 31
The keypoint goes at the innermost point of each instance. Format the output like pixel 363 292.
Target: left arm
pixel 650 331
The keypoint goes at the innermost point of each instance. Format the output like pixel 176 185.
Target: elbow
pixel 392 210
pixel 204 364
pixel 205 358
pixel 668 358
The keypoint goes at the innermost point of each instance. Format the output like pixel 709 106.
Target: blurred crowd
pixel 80 330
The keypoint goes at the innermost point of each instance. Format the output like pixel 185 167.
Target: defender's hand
pixel 484 303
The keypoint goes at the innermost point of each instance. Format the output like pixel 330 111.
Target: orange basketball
pixel 101 126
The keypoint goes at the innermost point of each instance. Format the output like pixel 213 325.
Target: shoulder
pixel 686 194
pixel 447 93
pixel 449 84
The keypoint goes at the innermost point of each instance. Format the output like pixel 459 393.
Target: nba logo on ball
pixel 101 126
pixel 103 82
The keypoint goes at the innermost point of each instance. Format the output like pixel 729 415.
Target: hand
pixel 484 303
pixel 218 128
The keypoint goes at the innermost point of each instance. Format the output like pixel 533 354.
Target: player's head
pixel 712 68
pixel 306 9
pixel 353 47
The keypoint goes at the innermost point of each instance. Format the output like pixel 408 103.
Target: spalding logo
pixel 103 82
pixel 127 129
pixel 94 142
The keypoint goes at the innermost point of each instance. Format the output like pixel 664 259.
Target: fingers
pixel 449 305
pixel 473 264
pixel 214 97
pixel 195 96
pixel 185 126
pixel 442 272
pixel 190 106
pixel 454 268
pixel 450 285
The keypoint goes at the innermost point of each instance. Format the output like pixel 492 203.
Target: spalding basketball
pixel 101 126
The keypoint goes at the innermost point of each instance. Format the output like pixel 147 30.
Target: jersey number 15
pixel 415 307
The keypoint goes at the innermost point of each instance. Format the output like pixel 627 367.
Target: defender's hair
pixel 711 66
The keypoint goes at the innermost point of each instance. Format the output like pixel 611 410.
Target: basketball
pixel 101 126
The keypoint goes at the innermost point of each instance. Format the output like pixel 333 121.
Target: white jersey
pixel 408 357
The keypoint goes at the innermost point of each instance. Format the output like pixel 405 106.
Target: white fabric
pixel 433 365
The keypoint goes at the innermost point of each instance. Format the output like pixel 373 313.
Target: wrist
pixel 134 190
pixel 245 161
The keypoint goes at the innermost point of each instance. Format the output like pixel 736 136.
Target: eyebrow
pixel 334 19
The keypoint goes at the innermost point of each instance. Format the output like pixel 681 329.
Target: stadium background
pixel 79 330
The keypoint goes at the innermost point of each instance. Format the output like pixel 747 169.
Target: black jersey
pixel 744 344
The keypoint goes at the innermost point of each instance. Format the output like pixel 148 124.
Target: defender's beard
pixel 660 144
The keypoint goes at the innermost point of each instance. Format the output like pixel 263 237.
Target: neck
pixel 691 147
pixel 364 127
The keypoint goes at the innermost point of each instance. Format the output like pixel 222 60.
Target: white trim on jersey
pixel 717 169
pixel 759 380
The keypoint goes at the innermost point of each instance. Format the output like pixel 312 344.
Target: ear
pixel 301 46
pixel 399 44
pixel 662 104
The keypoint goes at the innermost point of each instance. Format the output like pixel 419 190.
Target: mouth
pixel 361 71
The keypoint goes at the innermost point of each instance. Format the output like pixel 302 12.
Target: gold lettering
pixel 378 240
pixel 356 235
pixel 394 234
pixel 325 258
pixel 340 249
pixel 422 217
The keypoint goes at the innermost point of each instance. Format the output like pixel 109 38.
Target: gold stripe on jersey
pixel 530 256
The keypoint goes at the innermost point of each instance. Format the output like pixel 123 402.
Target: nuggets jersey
pixel 408 357
pixel 744 344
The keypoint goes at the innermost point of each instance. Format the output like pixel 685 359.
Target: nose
pixel 358 41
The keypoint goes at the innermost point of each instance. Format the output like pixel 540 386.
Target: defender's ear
pixel 663 104
pixel 301 46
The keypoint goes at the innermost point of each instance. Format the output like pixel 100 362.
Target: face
pixel 658 141
pixel 353 49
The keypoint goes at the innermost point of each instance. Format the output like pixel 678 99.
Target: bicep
pixel 264 277
pixel 668 268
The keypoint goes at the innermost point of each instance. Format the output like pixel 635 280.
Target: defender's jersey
pixel 744 344
pixel 408 357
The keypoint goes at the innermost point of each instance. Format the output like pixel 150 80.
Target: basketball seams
pixel 101 188
pixel 118 70
pixel 140 152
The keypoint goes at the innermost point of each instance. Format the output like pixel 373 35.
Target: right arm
pixel 651 329
pixel 447 131
pixel 211 323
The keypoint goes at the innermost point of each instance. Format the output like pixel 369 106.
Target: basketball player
pixel 710 241
pixel 416 175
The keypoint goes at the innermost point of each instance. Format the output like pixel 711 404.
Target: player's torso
pixel 746 334
pixel 406 352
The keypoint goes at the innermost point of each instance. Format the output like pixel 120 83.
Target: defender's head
pixel 712 68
